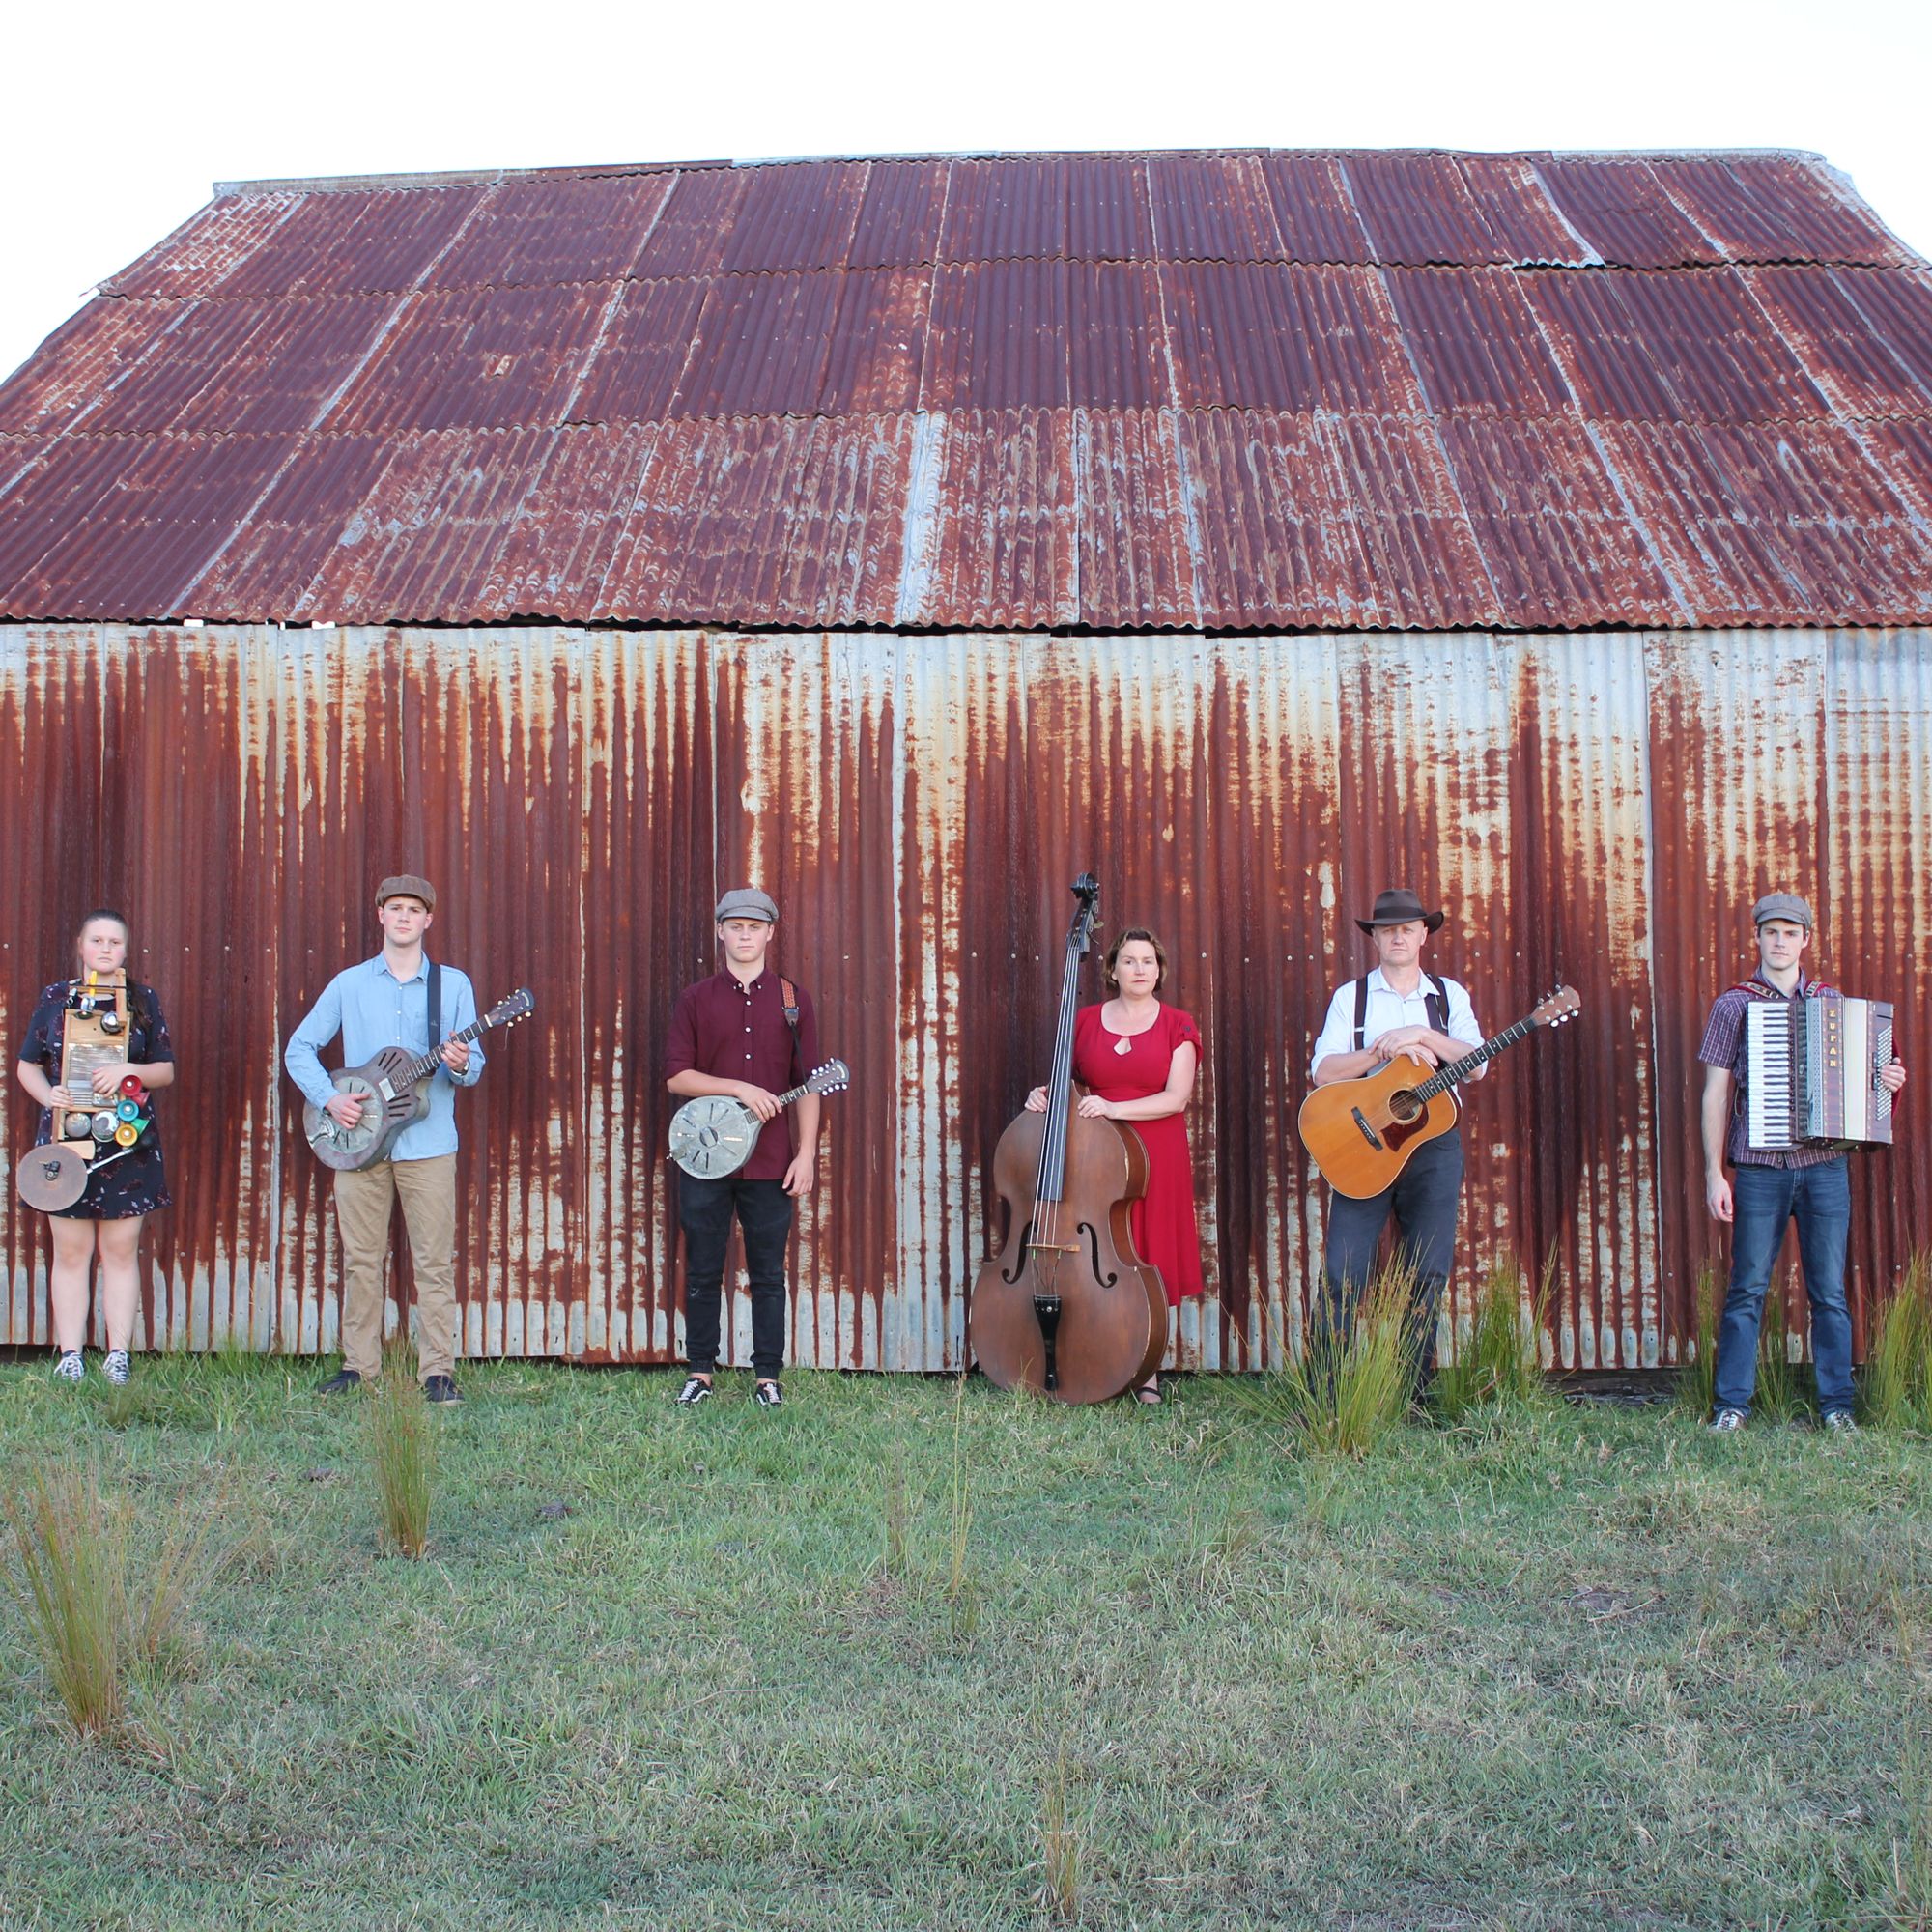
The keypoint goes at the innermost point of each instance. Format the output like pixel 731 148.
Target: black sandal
pixel 1149 1395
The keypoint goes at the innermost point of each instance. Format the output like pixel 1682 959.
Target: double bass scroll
pixel 1065 1305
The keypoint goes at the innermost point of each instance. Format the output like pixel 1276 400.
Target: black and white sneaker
pixel 770 1396
pixel 1841 1422
pixel 69 1367
pixel 115 1367
pixel 695 1389
pixel 1726 1420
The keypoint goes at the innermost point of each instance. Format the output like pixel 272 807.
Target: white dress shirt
pixel 1389 1010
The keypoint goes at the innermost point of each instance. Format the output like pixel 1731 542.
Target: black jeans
pixel 1424 1200
pixel 705 1211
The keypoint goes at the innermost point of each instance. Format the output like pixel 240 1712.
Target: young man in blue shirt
pixel 385 1002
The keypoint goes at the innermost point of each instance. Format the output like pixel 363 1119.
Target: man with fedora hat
pixel 1397 1008
pixel 749 1033
pixel 399 998
pixel 1771 1187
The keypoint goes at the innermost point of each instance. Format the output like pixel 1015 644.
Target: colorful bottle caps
pixel 126 1133
pixel 127 1110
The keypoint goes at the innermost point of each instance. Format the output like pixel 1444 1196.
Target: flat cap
pixel 1782 905
pixel 748 903
pixel 406 885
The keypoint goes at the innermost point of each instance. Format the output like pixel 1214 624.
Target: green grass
pixel 709 1668
pixel 1497 1362
pixel 1898 1373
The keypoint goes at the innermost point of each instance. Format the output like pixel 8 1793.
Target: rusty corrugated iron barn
pixel 1550 532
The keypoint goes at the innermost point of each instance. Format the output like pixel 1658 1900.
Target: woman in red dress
pixel 1137 1058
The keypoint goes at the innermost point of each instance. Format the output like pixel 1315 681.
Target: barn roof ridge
pixel 487 176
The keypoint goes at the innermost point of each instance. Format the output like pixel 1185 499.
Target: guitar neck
pixel 420 1068
pixel 1446 1078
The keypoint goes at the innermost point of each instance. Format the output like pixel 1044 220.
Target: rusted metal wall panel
pixel 1597 808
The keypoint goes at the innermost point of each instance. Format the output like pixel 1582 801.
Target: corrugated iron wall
pixel 1600 809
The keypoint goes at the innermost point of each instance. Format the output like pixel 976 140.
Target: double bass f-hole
pixel 1103 1274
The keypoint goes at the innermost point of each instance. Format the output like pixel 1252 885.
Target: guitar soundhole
pixel 1403 1106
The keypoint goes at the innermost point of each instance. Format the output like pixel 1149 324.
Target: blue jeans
pixel 1764 1200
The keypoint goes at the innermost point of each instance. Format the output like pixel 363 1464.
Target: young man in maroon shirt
pixel 729 1035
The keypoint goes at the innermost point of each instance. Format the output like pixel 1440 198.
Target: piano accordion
pixel 1812 1073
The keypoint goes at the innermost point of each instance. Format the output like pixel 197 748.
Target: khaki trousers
pixel 364 1201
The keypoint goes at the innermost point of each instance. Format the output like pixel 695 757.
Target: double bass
pixel 1066 1306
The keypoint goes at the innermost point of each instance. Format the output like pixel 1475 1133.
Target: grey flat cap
pixel 748 903
pixel 407 886
pixel 1782 905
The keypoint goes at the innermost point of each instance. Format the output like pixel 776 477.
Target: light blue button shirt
pixel 371 1009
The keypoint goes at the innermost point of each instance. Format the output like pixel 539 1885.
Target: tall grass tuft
pixel 72 1549
pixel 1898 1369
pixel 95 1621
pixel 401 1455
pixel 1349 1384
pixel 962 1588
pixel 1060 1846
pixel 1697 1386
pixel 1499 1363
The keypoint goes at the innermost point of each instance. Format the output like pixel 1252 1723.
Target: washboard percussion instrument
pixel 1811 1070
pixel 90 1129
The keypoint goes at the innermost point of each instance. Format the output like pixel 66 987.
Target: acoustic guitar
pixel 394 1093
pixel 1361 1133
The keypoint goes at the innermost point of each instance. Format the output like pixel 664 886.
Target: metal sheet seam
pixel 1853 424
pixel 203 567
pixel 1432 424
pixel 1190 516
pixel 567 409
pixel 1592 257
pixel 919 531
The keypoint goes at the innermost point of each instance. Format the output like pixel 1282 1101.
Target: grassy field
pixel 1587 1667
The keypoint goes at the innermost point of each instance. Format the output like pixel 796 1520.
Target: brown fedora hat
pixel 1397 907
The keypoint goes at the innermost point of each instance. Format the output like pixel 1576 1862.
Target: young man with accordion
pixel 1796 1073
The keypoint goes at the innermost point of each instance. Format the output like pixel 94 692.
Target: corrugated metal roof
pixel 1314 374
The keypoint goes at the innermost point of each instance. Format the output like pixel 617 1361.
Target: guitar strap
pixel 435 1005
pixel 1434 1004
pixel 788 993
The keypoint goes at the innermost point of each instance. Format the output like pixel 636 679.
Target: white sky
pixel 117 118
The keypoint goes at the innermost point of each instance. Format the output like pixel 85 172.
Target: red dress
pixel 1165 1229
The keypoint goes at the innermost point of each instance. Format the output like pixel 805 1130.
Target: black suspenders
pixel 1435 1004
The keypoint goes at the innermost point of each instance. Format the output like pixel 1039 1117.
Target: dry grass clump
pixel 401 1455
pixel 95 1622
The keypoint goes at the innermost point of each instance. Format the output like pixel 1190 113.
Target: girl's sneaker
pixel 69 1367
pixel 115 1367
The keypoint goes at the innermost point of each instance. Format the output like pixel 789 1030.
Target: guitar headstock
pixel 507 1012
pixel 834 1077
pixel 1564 1004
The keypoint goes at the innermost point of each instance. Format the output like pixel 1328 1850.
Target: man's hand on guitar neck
pixel 761 1101
pixel 456 1055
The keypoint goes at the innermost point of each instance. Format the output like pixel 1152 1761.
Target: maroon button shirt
pixel 740 1032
